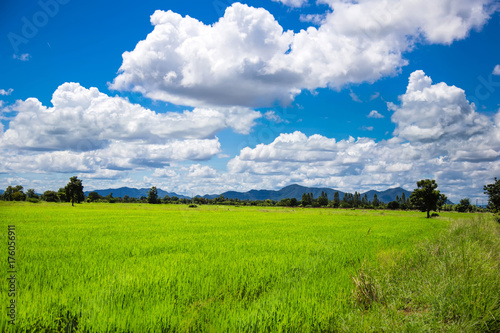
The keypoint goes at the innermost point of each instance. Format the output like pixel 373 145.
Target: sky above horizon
pixel 201 97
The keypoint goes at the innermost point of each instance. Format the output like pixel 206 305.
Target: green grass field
pixel 170 268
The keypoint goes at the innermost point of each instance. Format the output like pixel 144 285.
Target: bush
pixel 33 200
pixel 192 206
pixel 393 205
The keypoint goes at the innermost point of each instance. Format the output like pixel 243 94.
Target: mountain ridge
pixel 134 192
pixel 296 191
pixel 290 191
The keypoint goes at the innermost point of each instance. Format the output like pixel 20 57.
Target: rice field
pixel 171 268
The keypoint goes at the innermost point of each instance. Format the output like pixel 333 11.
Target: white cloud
pixel 164 173
pixel 355 97
pixel 431 112
pixel 316 19
pixel 84 119
pixel 22 57
pixel 4 92
pixel 222 64
pixel 361 164
pixel 496 70
pixel 292 3
pixel 272 116
pixel 375 114
pixel 88 132
pixel 247 59
pixel 118 155
pixel 201 171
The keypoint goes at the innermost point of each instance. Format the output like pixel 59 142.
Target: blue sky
pixel 208 96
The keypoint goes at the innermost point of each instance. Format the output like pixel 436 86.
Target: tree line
pixel 425 197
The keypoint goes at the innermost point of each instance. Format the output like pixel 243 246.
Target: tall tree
pixel 74 190
pixel 306 199
pixel 493 192
pixel 153 195
pixel 323 199
pixel 31 193
pixel 425 197
pixel 336 200
pixel 375 202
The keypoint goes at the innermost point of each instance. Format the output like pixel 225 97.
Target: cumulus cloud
pixel 222 64
pixel 201 171
pixel 85 119
pixel 118 156
pixel 496 70
pixel 375 114
pixel 431 112
pixel 164 173
pixel 86 131
pixel 247 59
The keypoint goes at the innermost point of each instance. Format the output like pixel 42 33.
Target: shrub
pixel 393 205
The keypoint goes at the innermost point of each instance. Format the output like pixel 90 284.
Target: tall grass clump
pixel 448 284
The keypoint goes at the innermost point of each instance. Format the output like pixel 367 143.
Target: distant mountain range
pixel 291 191
pixel 296 191
pixel 134 192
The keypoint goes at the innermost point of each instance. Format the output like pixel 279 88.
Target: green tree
pixel 14 193
pixel 375 202
pixel 109 198
pixel 18 196
pixel 306 199
pixel 93 196
pixel 356 199
pixel 493 192
pixel 153 195
pixel 50 196
pixel 31 194
pixel 464 206
pixel 393 205
pixel 425 197
pixel 441 202
pixel 61 194
pixel 323 199
pixel 336 200
pixel 284 203
pixel 74 190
